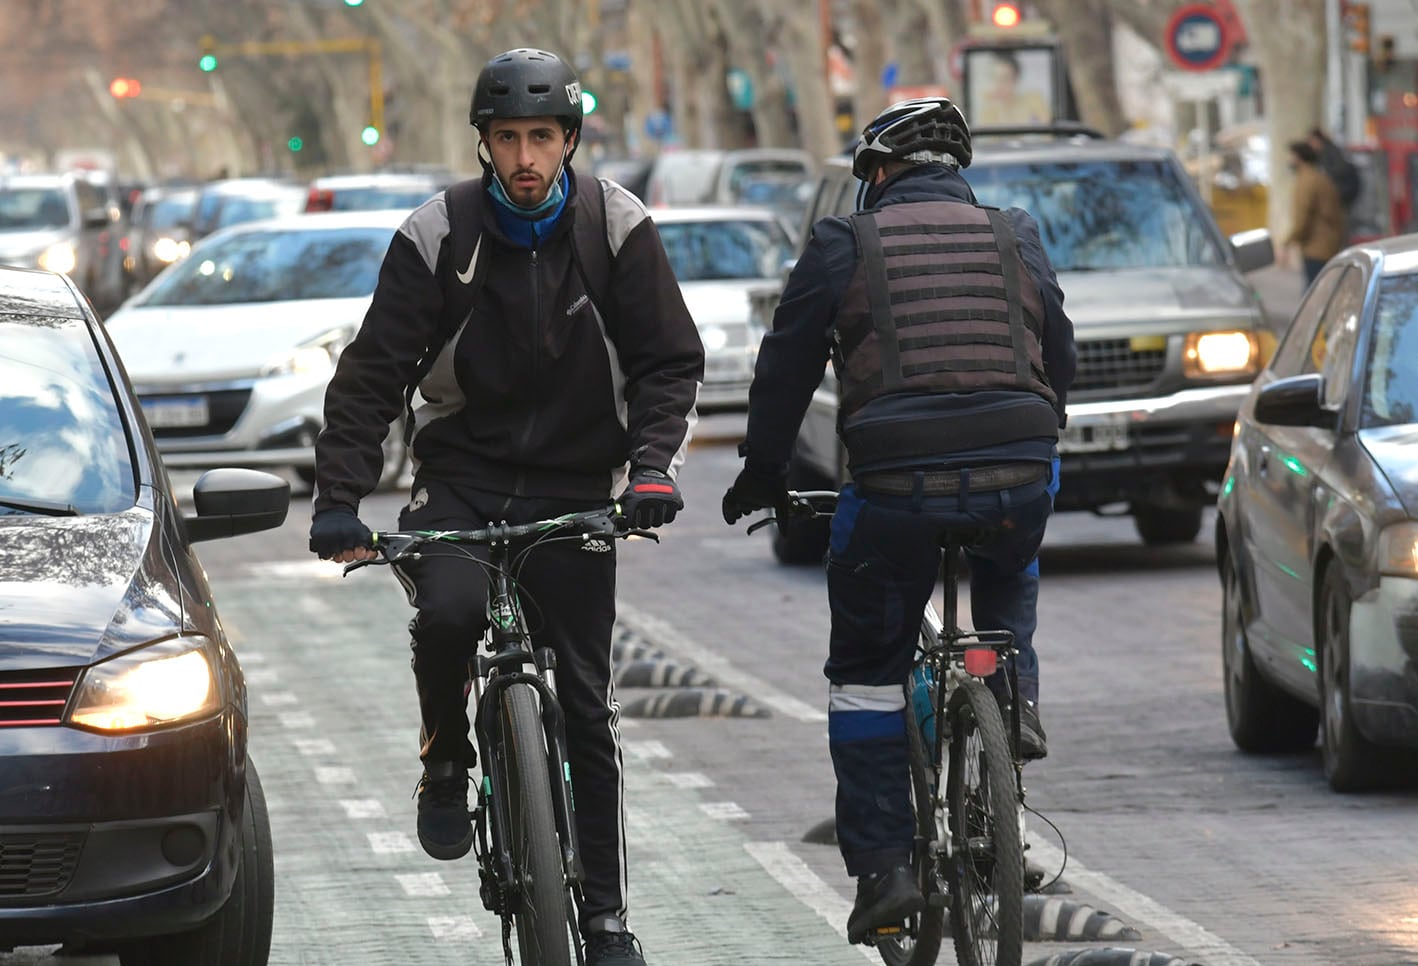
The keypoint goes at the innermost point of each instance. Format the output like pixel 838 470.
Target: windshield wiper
pixel 45 507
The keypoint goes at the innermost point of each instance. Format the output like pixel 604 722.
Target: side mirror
pixel 1253 249
pixel 1294 401
pixel 234 501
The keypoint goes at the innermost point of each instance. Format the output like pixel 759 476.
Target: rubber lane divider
pixel 1051 919
pixel 1112 957
pixel 693 703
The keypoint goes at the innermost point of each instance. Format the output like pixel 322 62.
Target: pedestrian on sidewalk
pixel 1316 214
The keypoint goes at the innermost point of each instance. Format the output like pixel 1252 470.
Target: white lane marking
pixel 362 808
pixel 794 875
pixel 1131 904
pixel 423 885
pixel 645 749
pixel 335 775
pixel 295 570
pixel 724 811
pixel 454 928
pixel 263 675
pixel 314 746
pixel 296 720
pixel 278 699
pixel 665 635
pixel 688 779
pixel 386 843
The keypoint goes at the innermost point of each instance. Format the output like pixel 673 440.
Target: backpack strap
pixel 591 244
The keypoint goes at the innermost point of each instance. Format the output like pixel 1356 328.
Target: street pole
pixel 1336 113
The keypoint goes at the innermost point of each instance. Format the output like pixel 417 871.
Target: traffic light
pixel 354 3
pixel 589 102
pixel 295 143
pixel 208 60
pixel 370 135
pixel 1005 15
pixel 121 87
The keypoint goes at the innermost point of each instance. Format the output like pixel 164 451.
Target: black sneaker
pixel 883 900
pixel 1033 744
pixel 611 944
pixel 445 824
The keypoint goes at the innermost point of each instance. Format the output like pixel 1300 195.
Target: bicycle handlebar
pixel 808 504
pixel 394 545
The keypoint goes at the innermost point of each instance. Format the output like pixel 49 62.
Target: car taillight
pixel 320 200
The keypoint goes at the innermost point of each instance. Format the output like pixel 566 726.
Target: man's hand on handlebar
pixel 338 534
pixel 754 490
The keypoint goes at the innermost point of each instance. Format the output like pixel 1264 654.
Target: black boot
pixel 609 943
pixel 445 824
pixel 883 900
pixel 1033 744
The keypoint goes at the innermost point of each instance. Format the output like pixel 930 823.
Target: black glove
pixel 755 489
pixel 651 499
pixel 337 529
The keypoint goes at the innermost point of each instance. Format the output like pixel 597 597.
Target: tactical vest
pixel 941 302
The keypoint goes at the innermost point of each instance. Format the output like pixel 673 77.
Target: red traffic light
pixel 1005 15
pixel 125 87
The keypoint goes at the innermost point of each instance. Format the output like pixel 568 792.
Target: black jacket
pixel 536 394
pixel 792 357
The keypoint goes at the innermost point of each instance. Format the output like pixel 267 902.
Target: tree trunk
pixel 869 62
pixel 799 36
pixel 1085 29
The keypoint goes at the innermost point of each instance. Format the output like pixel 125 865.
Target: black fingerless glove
pixel 337 529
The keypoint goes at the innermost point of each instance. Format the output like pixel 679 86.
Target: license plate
pixel 176 412
pixel 1093 436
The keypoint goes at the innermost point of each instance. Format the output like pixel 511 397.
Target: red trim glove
pixel 337 529
pixel 651 500
pixel 754 490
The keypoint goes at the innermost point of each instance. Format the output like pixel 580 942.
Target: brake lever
pixel 647 534
pixel 760 524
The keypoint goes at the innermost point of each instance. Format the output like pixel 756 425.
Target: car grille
pixel 29 698
pixel 38 864
pixel 224 408
pixel 1114 364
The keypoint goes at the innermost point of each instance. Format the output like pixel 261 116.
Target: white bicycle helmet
pixel 921 130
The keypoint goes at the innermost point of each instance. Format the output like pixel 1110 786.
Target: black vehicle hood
pixel 1395 450
pixel 76 589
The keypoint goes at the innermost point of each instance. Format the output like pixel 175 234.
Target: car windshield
pixel 1391 396
pixel 61 438
pixel 276 265
pixel 374 199
pixel 240 209
pixel 29 209
pixel 1104 215
pixel 170 211
pixel 709 250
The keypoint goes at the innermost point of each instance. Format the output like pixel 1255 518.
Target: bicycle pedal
pixel 891 931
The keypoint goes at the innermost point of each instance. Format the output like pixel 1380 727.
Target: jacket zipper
pixel 536 367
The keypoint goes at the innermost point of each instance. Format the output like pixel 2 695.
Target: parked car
pixel 683 178
pixel 373 192
pixel 230 350
pixel 66 224
pixel 131 813
pixel 1317 535
pixel 1169 333
pixel 221 204
pixel 746 170
pixel 159 231
pixel 719 255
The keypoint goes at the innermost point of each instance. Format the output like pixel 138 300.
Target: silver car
pixel 230 350
pixel 63 223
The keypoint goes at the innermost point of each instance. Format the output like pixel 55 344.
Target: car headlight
pixel 1398 549
pixel 713 337
pixel 1211 354
pixel 59 257
pixel 170 249
pixel 319 355
pixel 148 688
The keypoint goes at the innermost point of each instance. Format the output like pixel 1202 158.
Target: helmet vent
pixel 538 88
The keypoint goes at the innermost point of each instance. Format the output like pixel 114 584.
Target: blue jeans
pixel 881 571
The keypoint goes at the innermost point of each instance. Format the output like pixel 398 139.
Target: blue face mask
pixel 553 199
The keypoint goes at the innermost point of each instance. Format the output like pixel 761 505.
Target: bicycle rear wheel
pixel 540 914
pixel 925 929
pixel 987 863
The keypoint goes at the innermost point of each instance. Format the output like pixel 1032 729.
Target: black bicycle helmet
pixel 920 130
pixel 527 83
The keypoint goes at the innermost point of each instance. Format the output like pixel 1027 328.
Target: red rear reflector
pixel 980 661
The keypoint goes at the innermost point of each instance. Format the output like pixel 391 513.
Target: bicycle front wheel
pixel 987 860
pixel 540 912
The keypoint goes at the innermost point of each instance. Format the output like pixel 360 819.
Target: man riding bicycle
pixel 551 370
pixel 945 325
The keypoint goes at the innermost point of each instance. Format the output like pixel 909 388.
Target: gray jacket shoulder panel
pixel 426 227
pixel 624 212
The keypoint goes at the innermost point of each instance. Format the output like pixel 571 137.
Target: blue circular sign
pixel 1198 38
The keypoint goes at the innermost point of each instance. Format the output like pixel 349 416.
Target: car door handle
pixel 1264 462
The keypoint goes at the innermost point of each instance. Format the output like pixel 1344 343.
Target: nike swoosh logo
pixel 467 276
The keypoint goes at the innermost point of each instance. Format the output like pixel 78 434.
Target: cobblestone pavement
pixel 1214 857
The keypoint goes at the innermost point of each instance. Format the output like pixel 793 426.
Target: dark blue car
pixel 131 818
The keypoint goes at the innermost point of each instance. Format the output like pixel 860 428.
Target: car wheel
pixel 801 541
pixel 1350 761
pixel 396 460
pixel 1159 525
pixel 240 932
pixel 1260 716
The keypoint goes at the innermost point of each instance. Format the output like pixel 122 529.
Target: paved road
pixel 1212 856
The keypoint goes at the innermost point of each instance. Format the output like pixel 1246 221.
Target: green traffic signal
pixel 588 102
pixel 354 3
pixel 208 62
pixel 370 135
pixel 295 144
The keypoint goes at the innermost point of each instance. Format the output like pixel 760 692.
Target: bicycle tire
pixel 539 916
pixel 928 925
pixel 987 861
